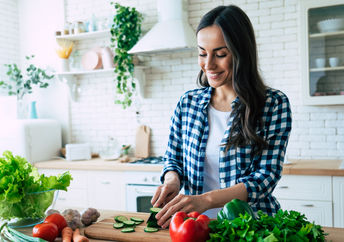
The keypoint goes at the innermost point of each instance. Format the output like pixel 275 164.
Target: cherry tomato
pixel 58 220
pixel 47 231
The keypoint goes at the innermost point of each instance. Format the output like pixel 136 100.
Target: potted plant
pixel 18 83
pixel 125 32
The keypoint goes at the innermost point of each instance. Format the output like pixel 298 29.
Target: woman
pixel 228 139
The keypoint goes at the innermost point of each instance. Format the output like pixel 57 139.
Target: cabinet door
pixel 105 190
pixel 321 34
pixel 304 188
pixel 338 201
pixel 319 212
pixel 76 194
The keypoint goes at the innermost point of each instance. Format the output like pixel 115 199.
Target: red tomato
pixel 58 220
pixel 47 231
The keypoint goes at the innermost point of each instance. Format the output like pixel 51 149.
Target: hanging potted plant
pixel 20 83
pixel 125 32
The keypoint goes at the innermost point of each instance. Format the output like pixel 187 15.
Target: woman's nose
pixel 210 63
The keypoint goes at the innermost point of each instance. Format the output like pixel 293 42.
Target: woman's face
pixel 214 57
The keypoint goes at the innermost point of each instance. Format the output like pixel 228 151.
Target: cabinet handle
pixel 105 182
pixel 308 205
pixel 144 192
pixel 283 187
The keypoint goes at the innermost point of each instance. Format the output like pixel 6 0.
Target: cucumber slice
pixel 118 225
pixel 128 230
pixel 155 210
pixel 128 223
pixel 137 223
pixel 150 230
pixel 136 219
pixel 121 218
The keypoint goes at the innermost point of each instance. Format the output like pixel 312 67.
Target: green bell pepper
pixel 232 209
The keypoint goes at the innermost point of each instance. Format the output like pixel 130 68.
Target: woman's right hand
pixel 167 191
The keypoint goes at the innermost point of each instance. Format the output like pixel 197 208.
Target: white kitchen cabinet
pixel 321 34
pixel 76 194
pixel 310 195
pixel 106 190
pixel 338 201
pixel 316 211
pixel 98 189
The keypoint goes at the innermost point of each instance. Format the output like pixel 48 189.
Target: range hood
pixel 171 33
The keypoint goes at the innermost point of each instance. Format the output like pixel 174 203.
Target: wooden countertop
pixel 314 168
pixel 96 164
pixel 295 167
pixel 334 234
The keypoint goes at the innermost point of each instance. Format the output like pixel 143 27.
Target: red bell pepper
pixel 191 227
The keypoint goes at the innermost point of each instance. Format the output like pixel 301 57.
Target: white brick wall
pixel 9 35
pixel 317 131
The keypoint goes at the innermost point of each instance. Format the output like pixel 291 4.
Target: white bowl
pixel 333 61
pixel 320 62
pixel 331 25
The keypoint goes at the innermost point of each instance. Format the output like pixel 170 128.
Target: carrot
pixel 67 234
pixel 77 237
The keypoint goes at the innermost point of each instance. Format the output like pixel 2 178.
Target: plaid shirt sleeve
pixel 173 156
pixel 267 170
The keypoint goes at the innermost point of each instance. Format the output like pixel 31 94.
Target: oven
pixel 140 187
pixel 139 197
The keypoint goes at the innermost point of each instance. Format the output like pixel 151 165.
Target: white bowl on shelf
pixel 331 25
pixel 334 61
pixel 320 62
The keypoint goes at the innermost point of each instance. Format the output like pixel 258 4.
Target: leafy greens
pixel 23 191
pixel 284 226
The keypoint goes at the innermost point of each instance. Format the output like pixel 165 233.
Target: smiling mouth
pixel 214 76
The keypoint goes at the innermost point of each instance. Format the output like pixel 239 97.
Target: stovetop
pixel 150 160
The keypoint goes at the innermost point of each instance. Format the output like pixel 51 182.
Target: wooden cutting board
pixel 104 230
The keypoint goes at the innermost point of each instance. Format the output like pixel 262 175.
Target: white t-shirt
pixel 217 125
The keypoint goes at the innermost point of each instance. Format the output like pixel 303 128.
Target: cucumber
pixel 155 210
pixel 118 225
pixel 121 218
pixel 128 230
pixel 137 223
pixel 150 230
pixel 136 219
pixel 128 223
pixel 152 222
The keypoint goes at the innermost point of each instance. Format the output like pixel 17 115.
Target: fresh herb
pixel 284 226
pixel 125 32
pixel 20 83
pixel 23 191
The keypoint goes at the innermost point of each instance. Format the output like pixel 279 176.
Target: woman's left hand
pixel 186 203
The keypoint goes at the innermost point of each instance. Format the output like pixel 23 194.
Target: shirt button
pixel 222 180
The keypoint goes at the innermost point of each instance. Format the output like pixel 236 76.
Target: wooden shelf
pixel 86 35
pixel 327 34
pixel 337 68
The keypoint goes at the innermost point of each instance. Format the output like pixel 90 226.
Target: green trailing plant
pixel 125 32
pixel 20 83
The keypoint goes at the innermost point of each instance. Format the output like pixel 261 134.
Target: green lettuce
pixel 24 193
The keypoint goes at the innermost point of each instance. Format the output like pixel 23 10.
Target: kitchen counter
pixel 334 234
pixel 295 167
pixel 314 167
pixel 97 164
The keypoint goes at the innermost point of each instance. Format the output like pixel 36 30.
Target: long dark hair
pixel 247 83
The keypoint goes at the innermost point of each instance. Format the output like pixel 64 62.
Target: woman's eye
pixel 202 55
pixel 221 56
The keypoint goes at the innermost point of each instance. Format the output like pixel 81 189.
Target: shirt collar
pixel 206 96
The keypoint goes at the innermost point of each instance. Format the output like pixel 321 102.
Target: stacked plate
pixel 331 25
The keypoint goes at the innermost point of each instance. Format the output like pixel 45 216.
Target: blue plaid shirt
pixel 188 137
